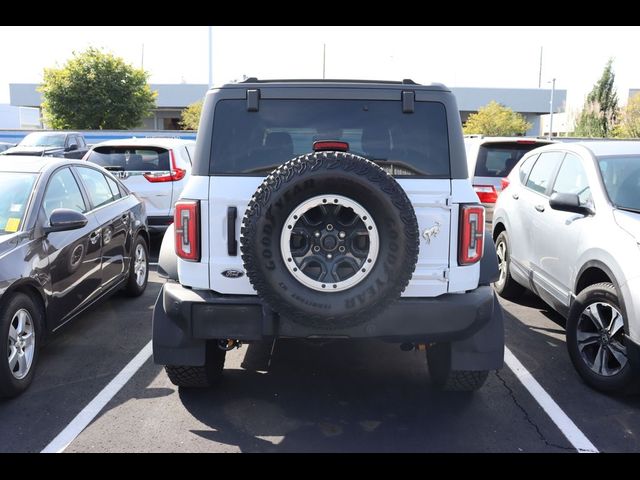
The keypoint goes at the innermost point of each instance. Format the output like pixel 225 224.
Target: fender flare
pixel 489 271
pixel 167 259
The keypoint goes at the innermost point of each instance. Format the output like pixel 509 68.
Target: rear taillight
pixel 486 193
pixel 187 221
pixel 504 183
pixel 174 174
pixel 471 234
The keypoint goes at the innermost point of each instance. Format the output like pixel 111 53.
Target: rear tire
pixel 443 378
pixel 506 286
pixel 138 268
pixel 187 376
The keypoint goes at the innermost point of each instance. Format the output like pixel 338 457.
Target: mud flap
pixel 172 342
pixel 484 350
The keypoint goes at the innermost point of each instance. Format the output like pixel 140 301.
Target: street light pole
pixel 553 88
pixel 324 58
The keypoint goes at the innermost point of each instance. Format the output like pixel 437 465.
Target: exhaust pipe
pixel 229 344
pixel 407 346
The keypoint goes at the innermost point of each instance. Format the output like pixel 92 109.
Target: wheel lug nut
pixel 329 256
pixel 342 234
pixel 329 227
pixel 317 234
pixel 341 248
pixel 316 248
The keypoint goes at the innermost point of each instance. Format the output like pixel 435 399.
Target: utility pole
pixel 540 70
pixel 553 88
pixel 210 56
pixel 324 58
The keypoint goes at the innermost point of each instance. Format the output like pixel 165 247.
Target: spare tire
pixel 329 240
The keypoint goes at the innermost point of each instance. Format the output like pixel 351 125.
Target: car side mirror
pixel 64 219
pixel 71 147
pixel 569 202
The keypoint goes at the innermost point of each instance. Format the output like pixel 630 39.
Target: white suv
pixel 329 209
pixel 490 160
pixel 155 169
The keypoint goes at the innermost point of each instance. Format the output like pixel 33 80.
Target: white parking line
pixel 569 429
pixel 88 413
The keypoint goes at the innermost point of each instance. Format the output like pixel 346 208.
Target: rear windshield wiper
pixel 266 168
pixel 113 168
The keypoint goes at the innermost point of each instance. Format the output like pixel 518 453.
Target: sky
pixel 503 57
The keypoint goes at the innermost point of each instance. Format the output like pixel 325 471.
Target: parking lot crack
pixel 528 418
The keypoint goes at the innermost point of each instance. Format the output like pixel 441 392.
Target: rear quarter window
pixel 526 167
pixel 404 144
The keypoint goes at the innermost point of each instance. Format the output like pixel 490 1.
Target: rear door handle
pixel 540 208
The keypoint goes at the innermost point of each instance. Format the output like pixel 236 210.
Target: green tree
pixel 96 90
pixel 496 120
pixel 589 122
pixel 599 115
pixel 629 126
pixel 190 118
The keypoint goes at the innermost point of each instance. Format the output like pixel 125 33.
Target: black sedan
pixel 51 144
pixel 70 234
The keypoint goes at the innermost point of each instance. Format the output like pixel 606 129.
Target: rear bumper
pixel 183 319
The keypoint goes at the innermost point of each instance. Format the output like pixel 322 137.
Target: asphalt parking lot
pixel 336 396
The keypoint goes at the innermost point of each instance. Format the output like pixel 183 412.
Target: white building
pixel 15 117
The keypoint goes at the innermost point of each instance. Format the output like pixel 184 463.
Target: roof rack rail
pixel 406 81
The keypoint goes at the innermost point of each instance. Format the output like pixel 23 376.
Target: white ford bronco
pixel 329 209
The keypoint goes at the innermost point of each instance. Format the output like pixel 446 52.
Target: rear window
pixel 404 144
pixel 497 159
pixel 126 159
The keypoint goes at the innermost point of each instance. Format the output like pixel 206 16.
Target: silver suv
pixel 329 209
pixel 567 227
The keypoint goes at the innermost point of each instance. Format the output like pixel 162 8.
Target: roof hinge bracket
pixel 408 101
pixel 253 100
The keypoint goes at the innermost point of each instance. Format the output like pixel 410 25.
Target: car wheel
pixel 138 269
pixel 505 286
pixel 20 321
pixel 596 339
pixel 444 378
pixel 329 240
pixel 187 376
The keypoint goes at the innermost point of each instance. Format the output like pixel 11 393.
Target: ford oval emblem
pixel 232 273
